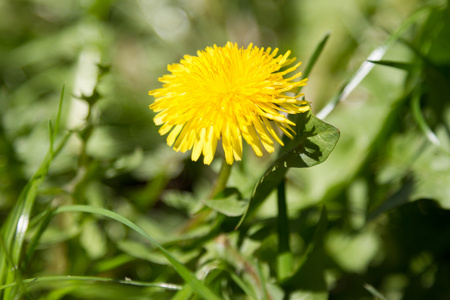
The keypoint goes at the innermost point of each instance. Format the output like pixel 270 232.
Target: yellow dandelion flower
pixel 227 93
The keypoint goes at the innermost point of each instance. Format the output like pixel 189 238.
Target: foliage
pixel 95 205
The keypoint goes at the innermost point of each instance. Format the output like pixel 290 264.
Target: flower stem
pixel 219 186
pixel 222 179
pixel 284 259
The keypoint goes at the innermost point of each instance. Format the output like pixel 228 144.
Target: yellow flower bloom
pixel 227 93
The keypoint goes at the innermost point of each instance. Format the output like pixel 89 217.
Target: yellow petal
pixel 229 94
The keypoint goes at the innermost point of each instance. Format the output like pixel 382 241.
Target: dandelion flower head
pixel 228 94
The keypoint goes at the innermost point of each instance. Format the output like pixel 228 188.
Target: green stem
pixel 284 259
pixel 219 186
pixel 222 179
pixel 283 225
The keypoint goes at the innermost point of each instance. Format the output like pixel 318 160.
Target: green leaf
pixel 431 175
pixel 398 198
pixel 246 287
pixel 309 295
pixel 395 64
pixel 228 202
pixel 310 274
pixel 112 263
pixel 182 200
pixel 439 36
pixel 315 56
pixel 187 276
pixel 417 169
pixel 311 63
pixel 184 294
pixel 142 251
pixel 93 240
pixel 314 142
pixel 43 221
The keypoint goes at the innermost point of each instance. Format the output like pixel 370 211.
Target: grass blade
pixel 34 240
pixel 420 119
pixel 184 294
pixel 197 286
pixel 367 65
pixel 58 115
pixel 243 285
pixel 315 56
pixel 265 293
pixel 18 276
pixel 47 279
pixel 374 292
pixel 16 225
pixel 395 64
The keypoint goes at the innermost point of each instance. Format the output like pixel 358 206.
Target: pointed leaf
pixel 311 63
pixel 319 48
pixel 314 142
pixel 395 64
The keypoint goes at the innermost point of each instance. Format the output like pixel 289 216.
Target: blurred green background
pixel 386 186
